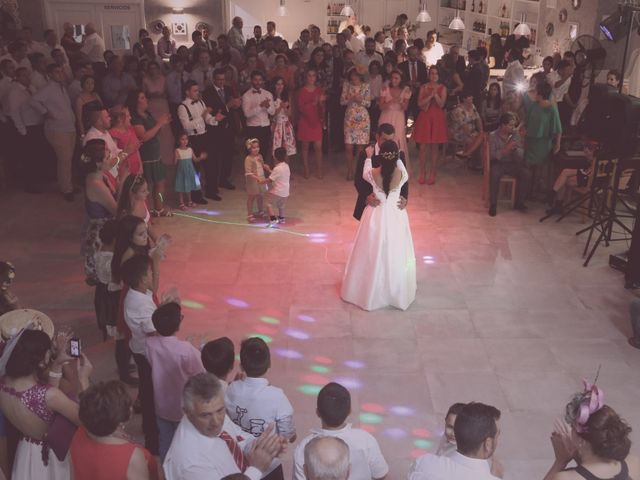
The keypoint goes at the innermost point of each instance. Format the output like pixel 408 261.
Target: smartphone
pixel 74 347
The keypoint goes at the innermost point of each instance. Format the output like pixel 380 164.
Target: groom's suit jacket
pixel 365 189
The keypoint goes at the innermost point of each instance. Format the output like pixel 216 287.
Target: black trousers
pixel 201 143
pixel 32 163
pixel 517 170
pixel 263 134
pixel 145 392
pixel 223 138
pixel 276 474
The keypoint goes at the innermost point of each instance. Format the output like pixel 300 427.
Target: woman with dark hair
pixel 125 137
pixel 101 448
pixel 311 108
pixel 496 52
pixel 31 404
pixel 492 107
pixel 356 96
pixel 596 438
pixel 88 95
pixel 451 79
pixel 465 126
pixel 283 70
pixel 388 67
pixel 138 49
pixel 394 100
pixel 100 200
pixel 381 270
pixel 318 62
pixel 147 129
pixel 281 128
pixel 400 49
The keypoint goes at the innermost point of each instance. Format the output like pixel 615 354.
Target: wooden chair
pixel 505 181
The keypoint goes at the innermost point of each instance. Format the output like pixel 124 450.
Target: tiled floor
pixel 505 312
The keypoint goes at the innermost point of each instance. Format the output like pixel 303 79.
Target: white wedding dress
pixel 381 270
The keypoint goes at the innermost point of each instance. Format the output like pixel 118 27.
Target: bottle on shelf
pixel 480 7
pixel 503 11
pixel 473 5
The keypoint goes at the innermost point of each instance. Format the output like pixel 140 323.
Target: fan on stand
pixel 589 55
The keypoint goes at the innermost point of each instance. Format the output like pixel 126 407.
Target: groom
pixel 364 188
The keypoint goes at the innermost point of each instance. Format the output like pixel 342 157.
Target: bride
pixel 381 270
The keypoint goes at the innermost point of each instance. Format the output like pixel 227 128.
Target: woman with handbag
pixel 42 414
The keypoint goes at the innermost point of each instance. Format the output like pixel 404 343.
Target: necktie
pixel 414 72
pixel 236 451
pixel 221 93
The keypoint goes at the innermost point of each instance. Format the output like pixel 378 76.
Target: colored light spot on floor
pixel 417 453
pixel 372 408
pixel 306 318
pixel 266 338
pixel 369 428
pixel 323 360
pixel 423 444
pixel 367 417
pixel 319 369
pixel 315 379
pixel 297 334
pixel 349 383
pixel 421 432
pixel 287 353
pixel 354 364
pixel 192 304
pixel 266 329
pixel 211 213
pixel 236 302
pixel 310 389
pixel 395 433
pixel 402 411
pixel 270 320
pixel 317 235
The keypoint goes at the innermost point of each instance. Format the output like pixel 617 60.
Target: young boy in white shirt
pixel 218 357
pixel 253 404
pixel 102 259
pixel 333 408
pixel 278 182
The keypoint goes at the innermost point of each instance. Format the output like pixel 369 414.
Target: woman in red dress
pixel 431 126
pixel 311 100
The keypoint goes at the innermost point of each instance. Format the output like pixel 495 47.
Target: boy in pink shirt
pixel 173 362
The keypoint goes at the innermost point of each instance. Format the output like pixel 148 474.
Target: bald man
pixel 326 458
pixel 236 37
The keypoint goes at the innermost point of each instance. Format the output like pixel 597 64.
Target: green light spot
pixel 237 357
pixel 266 338
pixel 423 444
pixel 370 418
pixel 310 389
pixel 192 304
pixel 270 320
pixel 320 369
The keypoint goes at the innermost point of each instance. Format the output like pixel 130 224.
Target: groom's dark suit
pixel 365 189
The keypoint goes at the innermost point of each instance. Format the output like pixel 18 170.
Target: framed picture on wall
pixel 574 28
pixel 179 28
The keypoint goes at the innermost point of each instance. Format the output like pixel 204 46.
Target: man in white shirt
pixel 272 31
pixel 333 408
pixel 50 43
pixel 433 49
pixel 476 433
pixel 257 105
pixel 368 55
pixel 236 37
pixel 194 117
pixel 207 446
pixel 316 40
pixel 17 54
pixel 390 41
pixel 353 43
pixel 137 273
pixel 560 81
pixel 326 458
pixel 166 45
pixel 99 122
pixel 268 55
pixel 93 47
pixel 302 44
pixel 38 71
pixel 60 128
pixel 514 80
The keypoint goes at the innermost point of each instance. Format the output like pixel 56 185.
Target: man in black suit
pixel 219 98
pixel 415 74
pixel 257 39
pixel 364 188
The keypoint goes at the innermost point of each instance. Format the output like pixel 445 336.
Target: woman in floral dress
pixel 356 96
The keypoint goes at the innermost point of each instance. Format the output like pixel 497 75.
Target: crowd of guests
pixel 204 416
pixel 178 114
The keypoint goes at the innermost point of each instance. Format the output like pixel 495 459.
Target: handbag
pixel 59 436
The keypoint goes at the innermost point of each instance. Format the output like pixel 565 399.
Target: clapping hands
pixel 265 448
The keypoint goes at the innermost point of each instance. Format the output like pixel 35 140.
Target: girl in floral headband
pixel 596 438
pixel 254 168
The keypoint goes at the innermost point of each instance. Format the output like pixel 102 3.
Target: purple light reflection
pixel 306 318
pixel 287 353
pixel 236 302
pixel 348 382
pixel 395 433
pixel 402 411
pixel 354 364
pixel 203 211
pixel 297 334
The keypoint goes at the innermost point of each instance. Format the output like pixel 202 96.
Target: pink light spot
pixel 372 408
pixel 236 302
pixel 297 334
pixel 265 329
pixel 317 235
pixel 368 428
pixel 421 433
pixel 417 453
pixel 323 360
pixel 315 379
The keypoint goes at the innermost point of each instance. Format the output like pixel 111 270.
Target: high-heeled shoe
pixel 421 179
pixel 432 179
